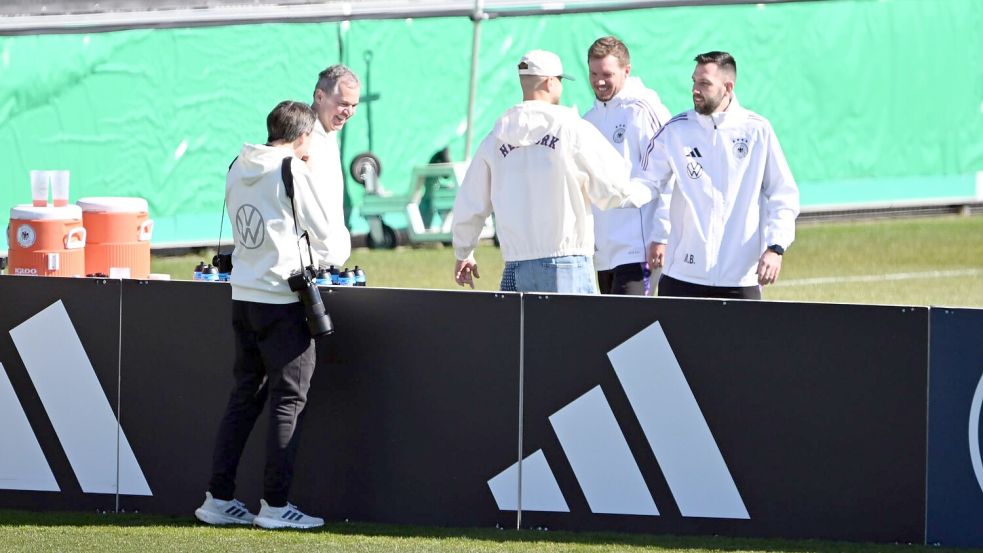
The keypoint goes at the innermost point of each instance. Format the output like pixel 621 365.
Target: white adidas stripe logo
pixel 599 454
pixel 974 433
pixel 78 409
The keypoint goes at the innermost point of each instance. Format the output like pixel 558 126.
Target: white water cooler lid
pixel 112 204
pixel 28 212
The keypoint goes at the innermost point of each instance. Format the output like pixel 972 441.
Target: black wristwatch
pixel 777 249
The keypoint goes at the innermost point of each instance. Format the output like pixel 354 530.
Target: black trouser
pixel 630 279
pixel 669 286
pixel 274 357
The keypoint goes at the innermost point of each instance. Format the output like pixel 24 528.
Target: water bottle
pixel 198 269
pixel 335 275
pixel 209 273
pixel 347 277
pixel 323 277
pixel 359 276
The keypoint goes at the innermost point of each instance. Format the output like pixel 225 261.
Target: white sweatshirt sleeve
pixel 472 206
pixel 781 196
pixel 609 182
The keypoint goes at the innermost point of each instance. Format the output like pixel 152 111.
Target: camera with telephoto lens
pixel 318 320
pixel 223 261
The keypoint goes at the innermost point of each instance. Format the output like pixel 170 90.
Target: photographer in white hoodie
pixel 275 354
pixel 628 114
pixel 734 202
pixel 539 170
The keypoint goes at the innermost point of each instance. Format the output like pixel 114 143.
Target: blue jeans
pixel 571 274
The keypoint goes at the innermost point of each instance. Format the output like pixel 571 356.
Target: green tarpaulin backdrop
pixel 873 101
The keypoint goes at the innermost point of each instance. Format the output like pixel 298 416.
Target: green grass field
pixel 924 261
pixel 65 532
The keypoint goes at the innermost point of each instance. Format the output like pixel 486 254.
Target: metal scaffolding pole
pixel 477 17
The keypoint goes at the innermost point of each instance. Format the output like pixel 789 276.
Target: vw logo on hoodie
pixel 250 227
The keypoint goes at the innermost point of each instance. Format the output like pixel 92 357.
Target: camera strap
pixel 287 175
pixel 221 221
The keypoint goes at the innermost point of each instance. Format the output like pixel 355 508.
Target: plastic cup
pixel 39 188
pixel 59 187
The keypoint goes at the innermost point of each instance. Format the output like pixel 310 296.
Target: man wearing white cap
pixel 539 170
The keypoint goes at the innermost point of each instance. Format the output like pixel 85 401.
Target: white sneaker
pixel 223 511
pixel 284 517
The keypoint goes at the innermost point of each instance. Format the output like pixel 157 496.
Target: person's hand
pixel 769 266
pixel 657 255
pixel 464 270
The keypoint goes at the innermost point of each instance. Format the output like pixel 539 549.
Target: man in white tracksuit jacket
pixel 539 170
pixel 734 203
pixel 628 114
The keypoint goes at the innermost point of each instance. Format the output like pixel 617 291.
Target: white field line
pixel 878 278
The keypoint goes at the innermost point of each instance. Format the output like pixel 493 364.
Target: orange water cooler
pixel 46 241
pixel 118 236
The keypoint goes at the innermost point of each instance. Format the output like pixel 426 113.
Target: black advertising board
pixel 955 429
pixel 733 418
pixel 58 395
pixel 414 405
pixel 175 378
pixel 414 397
pixel 634 414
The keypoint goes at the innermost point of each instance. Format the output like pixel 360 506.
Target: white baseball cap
pixel 543 64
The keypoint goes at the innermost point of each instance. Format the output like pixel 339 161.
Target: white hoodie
pixel 539 170
pixel 734 195
pixel 629 120
pixel 266 244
